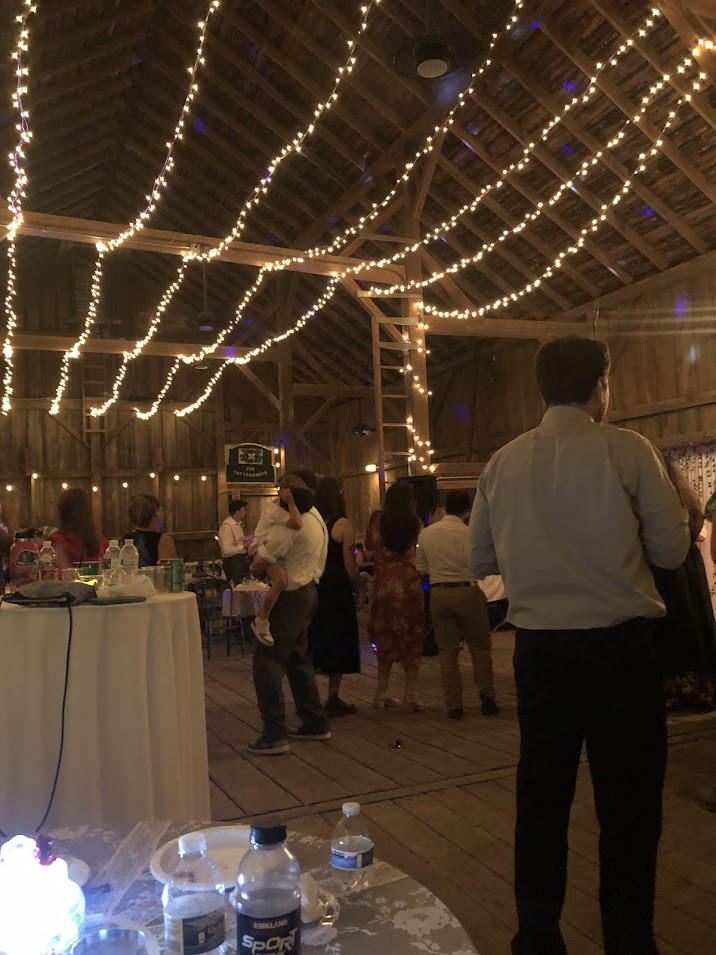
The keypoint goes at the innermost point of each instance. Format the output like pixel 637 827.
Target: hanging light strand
pixel 254 200
pixel 592 226
pixel 424 460
pixel 330 291
pixel 17 194
pixel 153 198
pixel 579 176
pixel 519 165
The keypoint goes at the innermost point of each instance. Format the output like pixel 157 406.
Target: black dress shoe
pixel 455 714
pixel 489 707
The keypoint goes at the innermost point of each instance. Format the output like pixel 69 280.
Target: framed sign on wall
pixel 250 464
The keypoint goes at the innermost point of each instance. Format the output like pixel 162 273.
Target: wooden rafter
pixel 177 243
pixel 625 104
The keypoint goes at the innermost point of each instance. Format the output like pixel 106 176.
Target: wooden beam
pixel 428 172
pixel 301 390
pixel 665 406
pixel 504 328
pixel 178 243
pixel 626 105
pixel 263 388
pixel 219 453
pixel 651 283
pixel 316 416
pixel 526 78
pixel 118 346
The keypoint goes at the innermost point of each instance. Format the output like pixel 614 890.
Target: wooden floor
pixel 439 795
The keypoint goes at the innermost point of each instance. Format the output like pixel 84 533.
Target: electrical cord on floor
pixel 68 604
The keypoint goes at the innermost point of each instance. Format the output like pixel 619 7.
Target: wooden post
pixel 417 376
pixel 378 394
pixel 287 421
pixel 222 496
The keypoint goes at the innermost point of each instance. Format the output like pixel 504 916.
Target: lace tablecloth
pixel 391 914
pixel 245 600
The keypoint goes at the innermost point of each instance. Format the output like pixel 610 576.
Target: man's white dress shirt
pixel 442 551
pixel 303 552
pixel 231 538
pixel 571 514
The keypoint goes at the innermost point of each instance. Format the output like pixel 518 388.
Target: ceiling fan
pixel 436 54
pixel 361 429
pixel 206 320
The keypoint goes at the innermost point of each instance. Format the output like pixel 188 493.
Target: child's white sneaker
pixel 261 628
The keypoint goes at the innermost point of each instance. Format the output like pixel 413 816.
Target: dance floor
pixel 439 795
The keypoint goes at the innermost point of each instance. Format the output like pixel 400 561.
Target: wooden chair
pixel 209 595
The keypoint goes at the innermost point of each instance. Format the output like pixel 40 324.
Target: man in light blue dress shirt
pixel 572 514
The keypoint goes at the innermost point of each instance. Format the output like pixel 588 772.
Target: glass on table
pixel 70 574
pixel 157 575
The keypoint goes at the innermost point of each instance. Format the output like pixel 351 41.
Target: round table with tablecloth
pixel 390 913
pixel 135 732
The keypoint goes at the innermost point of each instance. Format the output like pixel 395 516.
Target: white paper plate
pixel 225 846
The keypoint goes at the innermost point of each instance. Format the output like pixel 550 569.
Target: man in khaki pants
pixel 458 607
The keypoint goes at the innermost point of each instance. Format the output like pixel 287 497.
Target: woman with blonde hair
pixel 688 632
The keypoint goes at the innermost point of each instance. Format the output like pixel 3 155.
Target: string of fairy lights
pixel 152 199
pixel 14 202
pixel 421 451
pixel 438 231
pixel 498 303
pixel 262 187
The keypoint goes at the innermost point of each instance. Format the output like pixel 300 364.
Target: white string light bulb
pixel 439 230
pixel 254 200
pixel 153 198
pixel 592 226
pixel 581 174
pixel 17 194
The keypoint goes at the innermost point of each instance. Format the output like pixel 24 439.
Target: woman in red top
pixel 78 538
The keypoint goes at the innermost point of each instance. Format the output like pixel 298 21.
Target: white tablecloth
pixel 243 600
pixel 135 734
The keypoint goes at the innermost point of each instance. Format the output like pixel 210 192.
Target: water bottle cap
pixel 268 835
pixel 192 842
pixel 351 808
pixel 47 543
pixel 114 542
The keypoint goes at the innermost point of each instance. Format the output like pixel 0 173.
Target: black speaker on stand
pixel 425 487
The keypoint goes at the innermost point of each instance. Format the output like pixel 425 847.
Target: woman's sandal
pixel 382 702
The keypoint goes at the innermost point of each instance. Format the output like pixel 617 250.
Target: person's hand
pixel 247 541
pixel 286 495
pixel 258 567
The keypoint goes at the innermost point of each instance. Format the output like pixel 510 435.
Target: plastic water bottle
pixel 194 902
pixel 351 847
pixel 112 565
pixel 47 562
pixel 129 556
pixel 268 897
pixel 112 556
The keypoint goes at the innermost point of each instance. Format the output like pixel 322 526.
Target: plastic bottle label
pixel 351 860
pixel 196 935
pixel 278 935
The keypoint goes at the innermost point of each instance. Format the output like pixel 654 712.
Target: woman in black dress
pixel 687 632
pixel 333 634
pixel 147 517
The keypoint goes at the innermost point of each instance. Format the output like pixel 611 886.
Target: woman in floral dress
pixel 397 618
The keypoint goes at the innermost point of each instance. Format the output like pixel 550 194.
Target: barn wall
pixel 128 450
pixel 663 347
